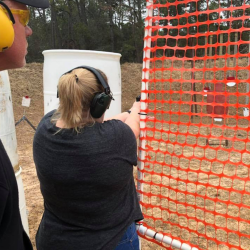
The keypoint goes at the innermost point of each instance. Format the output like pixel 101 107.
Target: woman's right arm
pixel 122 117
pixel 133 119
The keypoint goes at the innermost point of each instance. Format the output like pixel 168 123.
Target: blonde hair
pixel 76 92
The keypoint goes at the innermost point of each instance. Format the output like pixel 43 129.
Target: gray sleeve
pixel 126 144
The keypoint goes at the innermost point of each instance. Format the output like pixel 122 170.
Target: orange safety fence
pixel 194 175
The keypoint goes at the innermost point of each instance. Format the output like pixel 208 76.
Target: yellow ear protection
pixel 101 101
pixel 6 27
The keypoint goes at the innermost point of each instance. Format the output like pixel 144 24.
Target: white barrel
pixel 8 138
pixel 7 123
pixel 57 62
pixel 22 203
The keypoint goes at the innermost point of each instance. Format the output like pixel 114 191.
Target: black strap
pixel 98 76
pixel 9 11
pixel 155 235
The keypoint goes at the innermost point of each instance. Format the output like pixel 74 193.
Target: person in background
pixel 12 234
pixel 85 168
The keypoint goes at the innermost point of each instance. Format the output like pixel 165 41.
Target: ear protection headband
pixel 6 27
pixel 101 101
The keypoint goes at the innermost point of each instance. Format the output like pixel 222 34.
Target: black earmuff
pixel 6 28
pixel 101 101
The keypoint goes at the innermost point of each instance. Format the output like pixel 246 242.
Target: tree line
pixel 118 26
pixel 101 25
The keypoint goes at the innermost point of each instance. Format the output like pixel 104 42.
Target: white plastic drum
pixel 8 138
pixel 7 123
pixel 22 203
pixel 57 62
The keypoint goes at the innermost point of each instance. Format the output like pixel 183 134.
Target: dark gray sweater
pixel 87 183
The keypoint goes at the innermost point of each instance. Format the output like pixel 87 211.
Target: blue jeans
pixel 129 240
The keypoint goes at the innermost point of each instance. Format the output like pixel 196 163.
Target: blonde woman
pixel 85 168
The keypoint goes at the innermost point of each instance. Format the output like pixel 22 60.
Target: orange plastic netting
pixel 194 144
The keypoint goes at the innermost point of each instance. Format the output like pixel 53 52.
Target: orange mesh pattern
pixel 196 185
